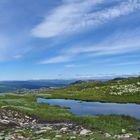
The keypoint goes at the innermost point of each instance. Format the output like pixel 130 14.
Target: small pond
pixel 95 108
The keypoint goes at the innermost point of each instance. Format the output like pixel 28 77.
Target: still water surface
pixel 95 108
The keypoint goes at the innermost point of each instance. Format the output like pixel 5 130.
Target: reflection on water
pixel 95 108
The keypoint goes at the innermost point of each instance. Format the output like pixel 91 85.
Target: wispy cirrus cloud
pixel 64 18
pixel 74 65
pixel 92 35
pixel 127 63
pixel 5 50
pixel 11 48
pixel 74 16
pixel 70 66
pixel 117 43
pixel 57 59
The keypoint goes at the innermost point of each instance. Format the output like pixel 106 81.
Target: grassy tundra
pixel 122 91
pixel 113 91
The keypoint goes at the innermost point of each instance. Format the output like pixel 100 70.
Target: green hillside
pixel 102 127
pixel 125 90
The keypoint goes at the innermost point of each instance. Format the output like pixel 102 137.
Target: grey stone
pixel 84 132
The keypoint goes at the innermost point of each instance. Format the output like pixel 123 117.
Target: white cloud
pixel 74 65
pixel 5 50
pixel 57 59
pixel 117 43
pixel 10 47
pixel 70 66
pixel 77 15
pixel 64 18
pixel 17 56
pixel 127 63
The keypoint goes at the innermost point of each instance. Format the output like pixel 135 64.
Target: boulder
pixel 64 129
pixel 107 135
pixel 84 132
pixel 40 132
pixel 47 128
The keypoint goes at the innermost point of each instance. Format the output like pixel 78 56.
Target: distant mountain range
pixel 12 86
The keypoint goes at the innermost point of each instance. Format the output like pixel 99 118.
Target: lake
pixel 83 108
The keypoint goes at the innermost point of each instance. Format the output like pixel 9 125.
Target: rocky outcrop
pixel 19 123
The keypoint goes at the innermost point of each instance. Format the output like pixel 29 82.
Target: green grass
pixel 89 91
pixel 27 104
pixel 27 133
pixel 97 91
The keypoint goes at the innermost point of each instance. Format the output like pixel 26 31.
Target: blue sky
pixel 49 39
